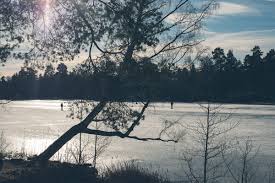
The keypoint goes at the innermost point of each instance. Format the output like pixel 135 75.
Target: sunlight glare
pixel 47 13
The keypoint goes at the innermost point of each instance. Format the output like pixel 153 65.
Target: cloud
pixel 241 42
pixel 226 8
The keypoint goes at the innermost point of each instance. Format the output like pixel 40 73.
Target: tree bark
pixel 68 135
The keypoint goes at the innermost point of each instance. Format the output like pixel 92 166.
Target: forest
pixel 218 77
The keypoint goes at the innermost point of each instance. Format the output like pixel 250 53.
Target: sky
pixel 242 24
pixel 236 24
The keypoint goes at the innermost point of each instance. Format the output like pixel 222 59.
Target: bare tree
pixel 241 163
pixel 209 142
pixel 90 151
pixel 270 172
pixel 85 149
pixel 3 145
pixel 100 145
pixel 77 110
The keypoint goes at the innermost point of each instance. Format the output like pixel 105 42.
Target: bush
pixel 132 173
pixel 58 173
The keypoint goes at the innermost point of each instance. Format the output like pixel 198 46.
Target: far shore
pixel 154 101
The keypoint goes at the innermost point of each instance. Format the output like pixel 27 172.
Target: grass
pixel 132 173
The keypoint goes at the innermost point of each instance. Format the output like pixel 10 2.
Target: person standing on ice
pixel 172 104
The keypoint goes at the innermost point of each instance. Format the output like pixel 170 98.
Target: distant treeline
pixel 217 77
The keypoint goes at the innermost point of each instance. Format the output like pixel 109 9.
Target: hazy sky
pixel 237 25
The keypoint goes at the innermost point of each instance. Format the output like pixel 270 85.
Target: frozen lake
pixel 32 125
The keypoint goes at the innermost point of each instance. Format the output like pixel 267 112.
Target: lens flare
pixel 47 12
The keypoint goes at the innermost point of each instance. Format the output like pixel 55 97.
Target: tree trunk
pixel 58 144
pixel 68 135
pixel 95 149
pixel 206 146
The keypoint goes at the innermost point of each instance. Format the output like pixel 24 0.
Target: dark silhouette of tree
pixel 219 59
pixel 232 63
pixel 207 65
pixel 16 27
pixel 25 82
pixel 49 71
pixel 129 33
pixel 5 88
pixel 252 61
pixel 268 75
pixel 270 57
pixel 236 83
pixel 62 70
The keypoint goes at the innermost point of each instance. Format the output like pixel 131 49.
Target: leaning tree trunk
pixel 68 135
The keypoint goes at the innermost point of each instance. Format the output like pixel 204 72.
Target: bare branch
pixel 123 135
pixel 179 5
pixel 92 31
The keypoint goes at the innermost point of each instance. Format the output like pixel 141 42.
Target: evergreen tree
pixel 219 59
pixel 232 63
pixel 49 71
pixel 254 60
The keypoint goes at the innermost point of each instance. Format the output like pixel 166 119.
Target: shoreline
pixel 155 101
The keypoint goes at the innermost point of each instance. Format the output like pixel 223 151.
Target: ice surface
pixel 33 125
